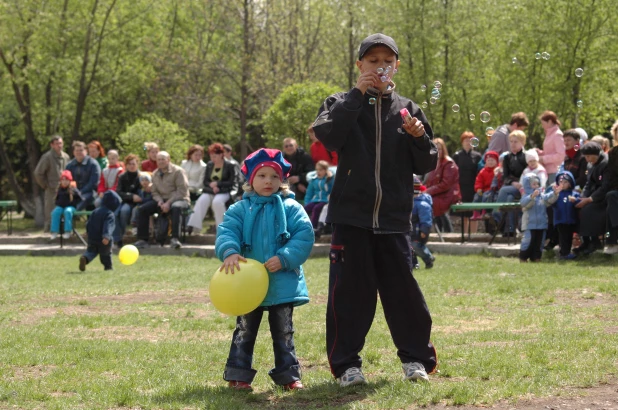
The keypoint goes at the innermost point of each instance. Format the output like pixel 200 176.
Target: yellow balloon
pixel 128 255
pixel 241 292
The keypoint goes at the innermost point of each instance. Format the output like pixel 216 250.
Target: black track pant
pixel 364 264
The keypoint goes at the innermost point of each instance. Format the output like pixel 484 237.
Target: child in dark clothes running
pixel 100 229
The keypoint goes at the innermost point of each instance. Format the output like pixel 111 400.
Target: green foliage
pixel 168 135
pixel 294 110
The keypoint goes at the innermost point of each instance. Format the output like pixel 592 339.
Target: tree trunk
pixel 244 81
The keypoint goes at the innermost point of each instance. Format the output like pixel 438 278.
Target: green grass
pixel 144 336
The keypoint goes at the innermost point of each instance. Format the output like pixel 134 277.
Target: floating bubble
pixel 424 104
pixel 437 96
pixel 537 56
pixel 485 116
pixel 545 55
pixel 372 101
pixel 580 104
pixel 579 72
pixel 435 92
pixel 437 84
pixel 433 100
pixel 423 88
pixel 384 78
pixel 608 234
pixel 455 107
pixel 472 117
pixel 514 60
pixel 474 142
pixel 389 68
pixel 576 147
pixel 399 130
pixel 395 71
pixel 488 131
pixel 380 70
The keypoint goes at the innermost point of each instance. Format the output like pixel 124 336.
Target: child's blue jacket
pixel 260 227
pixel 102 222
pixel 422 214
pixel 319 190
pixel 564 210
pixel 535 212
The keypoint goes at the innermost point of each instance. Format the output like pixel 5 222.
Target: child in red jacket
pixel 482 184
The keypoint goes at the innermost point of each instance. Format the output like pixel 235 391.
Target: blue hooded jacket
pixel 102 221
pixel 535 214
pixel 260 227
pixel 422 215
pixel 564 210
pixel 319 189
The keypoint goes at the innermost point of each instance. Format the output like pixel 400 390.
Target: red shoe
pixel 295 385
pixel 234 384
pixel 476 215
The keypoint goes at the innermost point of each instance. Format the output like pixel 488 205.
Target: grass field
pixel 145 336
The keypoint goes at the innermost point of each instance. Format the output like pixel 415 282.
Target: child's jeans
pixel 104 252
pixel 421 250
pixel 240 359
pixel 313 210
pixel 68 219
pixel 532 244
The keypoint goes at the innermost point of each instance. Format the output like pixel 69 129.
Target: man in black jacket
pixel 370 209
pixel 301 164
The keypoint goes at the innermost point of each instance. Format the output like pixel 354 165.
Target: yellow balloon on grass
pixel 128 255
pixel 241 292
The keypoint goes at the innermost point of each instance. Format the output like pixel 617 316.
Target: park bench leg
pixel 435 226
pixel 499 227
pixel 10 221
pixel 463 238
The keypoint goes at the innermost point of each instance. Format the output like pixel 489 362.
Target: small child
pixel 422 221
pixel 565 213
pixel 267 225
pixel 65 205
pixel 100 229
pixel 534 167
pixel 318 192
pixel 109 175
pixel 482 184
pixel 145 193
pixel 534 219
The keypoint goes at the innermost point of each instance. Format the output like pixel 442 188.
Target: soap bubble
pixel 514 60
pixel 380 70
pixel 545 55
pixel 384 78
pixel 437 96
pixel 437 84
pixel 608 234
pixel 576 147
pixel 372 101
pixel 580 104
pixel 474 142
pixel 433 100
pixel 455 107
pixel 423 88
pixel 395 71
pixel 537 56
pixel 485 116
pixel 424 104
pixel 488 131
pixel 435 92
pixel 472 117
pixel 579 72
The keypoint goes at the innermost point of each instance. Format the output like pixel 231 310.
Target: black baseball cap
pixel 374 40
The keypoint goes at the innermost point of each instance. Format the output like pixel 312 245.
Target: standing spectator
pixel 552 154
pixel 86 173
pixel 318 193
pixel 593 202
pixel 467 160
pixel 170 194
pixel 612 196
pixel 301 165
pixel 150 163
pixel 47 174
pixel 574 161
pixel 66 195
pixel 319 151
pixel 422 221
pixel 500 138
pixel 195 169
pixel 96 152
pixel 512 168
pixel 128 190
pixel 534 205
pixel 219 180
pixel 100 228
pixel 443 186
pixel 109 175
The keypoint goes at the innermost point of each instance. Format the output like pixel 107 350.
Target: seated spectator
pixel 603 142
pixel 66 196
pixel 150 164
pixel 109 176
pixel 499 141
pixel 532 159
pixel 319 151
pixel 128 190
pixel 86 174
pixel 301 165
pixel 467 160
pixel 219 181
pixel 170 193
pixel 422 221
pixel 145 196
pixel 317 193
pixel 443 186
pixel 96 152
pixel 236 192
pixel 512 169
pixel 593 202
pixel 482 183
pixel 574 161
pixel 194 168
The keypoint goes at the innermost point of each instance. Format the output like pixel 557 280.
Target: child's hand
pixel 232 261
pixel 273 264
pixel 423 235
pixel 557 189
pixel 105 241
pixel 571 199
pixel 414 127
pixel 480 192
pixel 366 80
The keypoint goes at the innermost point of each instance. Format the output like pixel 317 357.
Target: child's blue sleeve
pixel 298 248
pixel 310 192
pixel 425 217
pixel 526 201
pixel 229 232
pixel 109 225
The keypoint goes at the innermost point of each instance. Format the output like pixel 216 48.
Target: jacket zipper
pixel 376 207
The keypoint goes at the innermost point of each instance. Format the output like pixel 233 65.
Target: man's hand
pixel 137 198
pixel 301 188
pixel 165 208
pixel 480 192
pixel 293 180
pixel 414 127
pixel 583 202
pixel 273 264
pixel 366 80
pixel 423 235
pixel 232 261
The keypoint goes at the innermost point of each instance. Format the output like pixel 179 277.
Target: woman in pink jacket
pixel 553 152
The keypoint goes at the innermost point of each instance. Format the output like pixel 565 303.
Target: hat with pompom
pixel 265 157
pixel 66 174
pixel 419 188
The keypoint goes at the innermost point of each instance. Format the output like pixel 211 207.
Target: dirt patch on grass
pixel 148 334
pixel 31 372
pixel 466 326
pixel 583 298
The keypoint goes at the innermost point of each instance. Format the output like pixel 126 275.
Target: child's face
pixel 64 182
pixel 465 144
pixel 515 145
pixel 378 57
pixel 533 163
pixel 144 183
pixel 565 184
pixel 321 172
pixel 490 162
pixel 112 159
pixel 569 142
pixel 534 184
pixel 152 154
pixel 266 181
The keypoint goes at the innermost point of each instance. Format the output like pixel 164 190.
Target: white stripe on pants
pixel 205 201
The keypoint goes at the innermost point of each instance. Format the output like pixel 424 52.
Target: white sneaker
pixel 175 243
pixel 66 235
pixel 351 377
pixel 134 231
pixel 611 249
pixel 53 236
pixel 415 372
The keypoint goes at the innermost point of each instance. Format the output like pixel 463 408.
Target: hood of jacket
pixel 527 182
pixel 111 200
pixel 567 175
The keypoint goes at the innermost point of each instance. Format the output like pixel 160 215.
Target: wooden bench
pixel 6 210
pixel 75 214
pixel 503 207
